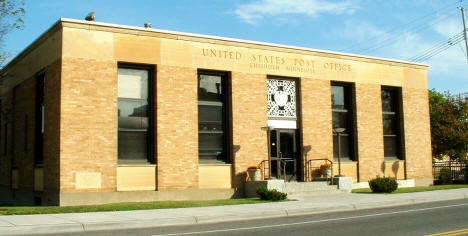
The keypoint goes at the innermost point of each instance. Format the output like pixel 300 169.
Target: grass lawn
pixel 416 189
pixel 28 210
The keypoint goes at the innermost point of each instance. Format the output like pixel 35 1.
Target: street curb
pixel 204 219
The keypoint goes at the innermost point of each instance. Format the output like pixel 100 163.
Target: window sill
pixel 344 161
pixel 335 160
pixel 214 164
pixel 134 162
pixel 136 165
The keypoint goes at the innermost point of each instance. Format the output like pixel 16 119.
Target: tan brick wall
pixel 23 160
pixel 81 108
pixel 52 126
pixel 177 128
pixel 249 115
pixel 395 169
pixel 88 131
pixel 317 119
pixel 417 133
pixel 348 169
pixel 6 156
pixel 24 106
pixel 369 131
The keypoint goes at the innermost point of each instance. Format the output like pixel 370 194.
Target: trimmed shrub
pixel 383 185
pixel 445 176
pixel 271 195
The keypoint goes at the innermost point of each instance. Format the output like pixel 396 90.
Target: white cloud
pixel 448 70
pixel 449 27
pixel 253 12
pixel 360 31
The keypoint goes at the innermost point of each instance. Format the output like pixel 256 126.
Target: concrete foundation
pixel 402 183
pixel 250 187
pixel 344 183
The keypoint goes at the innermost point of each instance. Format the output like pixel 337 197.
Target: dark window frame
pixel 226 115
pixel 349 110
pixel 151 133
pixel 39 119
pixel 397 120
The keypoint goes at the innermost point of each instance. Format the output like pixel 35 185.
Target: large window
pixel 391 122
pixel 134 114
pixel 39 119
pixel 342 115
pixel 213 107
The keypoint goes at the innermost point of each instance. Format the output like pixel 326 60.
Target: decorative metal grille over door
pixel 281 98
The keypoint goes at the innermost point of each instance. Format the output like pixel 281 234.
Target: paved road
pixel 420 219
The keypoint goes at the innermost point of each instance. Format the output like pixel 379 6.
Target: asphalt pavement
pixel 305 205
pixel 439 218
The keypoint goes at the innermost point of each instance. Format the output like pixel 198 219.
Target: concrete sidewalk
pixel 76 222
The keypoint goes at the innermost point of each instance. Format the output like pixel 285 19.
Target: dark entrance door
pixel 284 157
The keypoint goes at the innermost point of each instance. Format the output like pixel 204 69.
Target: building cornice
pixel 237 42
pixel 92 25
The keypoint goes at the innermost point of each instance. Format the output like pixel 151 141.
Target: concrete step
pixel 316 193
pixel 309 188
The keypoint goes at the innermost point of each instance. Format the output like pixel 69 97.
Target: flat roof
pixel 203 36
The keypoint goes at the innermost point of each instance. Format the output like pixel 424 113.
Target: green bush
pixel 445 176
pixel 383 185
pixel 271 195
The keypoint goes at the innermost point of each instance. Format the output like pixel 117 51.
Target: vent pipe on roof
pixel 147 25
pixel 91 16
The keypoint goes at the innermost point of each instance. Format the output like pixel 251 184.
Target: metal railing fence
pixel 457 169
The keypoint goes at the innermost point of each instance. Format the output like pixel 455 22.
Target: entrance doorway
pixel 284 156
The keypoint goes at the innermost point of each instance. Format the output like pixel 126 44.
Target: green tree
pixel 11 17
pixel 449 124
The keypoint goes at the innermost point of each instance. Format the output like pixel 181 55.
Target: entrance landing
pixel 293 188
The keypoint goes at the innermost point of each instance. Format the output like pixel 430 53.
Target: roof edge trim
pixel 236 40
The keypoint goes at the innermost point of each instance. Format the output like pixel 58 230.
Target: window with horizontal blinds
pixel 213 108
pixel 134 114
pixel 391 122
pixel 342 117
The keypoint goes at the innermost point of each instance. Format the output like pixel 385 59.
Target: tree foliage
pixel 11 17
pixel 449 124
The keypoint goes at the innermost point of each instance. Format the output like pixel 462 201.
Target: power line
pixel 391 39
pixel 439 45
pixel 438 48
pixel 376 38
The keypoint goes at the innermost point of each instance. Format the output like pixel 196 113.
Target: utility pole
pixel 464 30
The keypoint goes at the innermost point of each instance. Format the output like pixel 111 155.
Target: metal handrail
pixel 309 169
pixel 294 174
pixel 264 167
pixel 279 163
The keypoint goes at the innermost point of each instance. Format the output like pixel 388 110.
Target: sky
pixel 397 29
